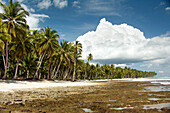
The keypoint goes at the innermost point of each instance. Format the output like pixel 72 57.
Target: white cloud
pixel 40 15
pixel 100 7
pixel 167 34
pixel 27 9
pixel 120 65
pixel 32 10
pixel 124 44
pixel 161 71
pixel 167 9
pixel 60 3
pixel 44 4
pixel 1 9
pixel 146 65
pixel 2 1
pixel 162 3
pixel 34 19
pixel 20 1
pixel 76 4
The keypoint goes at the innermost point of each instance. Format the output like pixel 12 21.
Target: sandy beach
pixel 12 85
pixel 84 96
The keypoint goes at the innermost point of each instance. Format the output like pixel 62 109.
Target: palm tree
pixel 77 49
pixel 29 64
pixel 20 48
pixel 14 18
pixel 90 57
pixel 112 70
pixel 4 36
pixel 63 54
pixel 97 70
pixel 48 44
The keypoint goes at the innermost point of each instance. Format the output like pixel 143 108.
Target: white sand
pixel 12 85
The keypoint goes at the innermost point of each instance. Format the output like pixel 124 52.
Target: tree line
pixel 38 54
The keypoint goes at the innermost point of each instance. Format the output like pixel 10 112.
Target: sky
pixel 133 33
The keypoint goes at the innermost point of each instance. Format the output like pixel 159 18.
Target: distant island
pixel 39 54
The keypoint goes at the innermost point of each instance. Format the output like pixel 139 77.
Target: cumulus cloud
pixel 167 9
pixel 44 4
pixel 123 44
pixel 60 3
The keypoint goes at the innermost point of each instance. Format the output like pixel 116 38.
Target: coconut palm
pixel 20 48
pixel 90 57
pixel 62 54
pixel 14 18
pixel 48 43
pixel 97 70
pixel 77 49
pixel 112 70
pixel 4 37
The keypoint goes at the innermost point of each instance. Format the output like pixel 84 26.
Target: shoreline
pixel 108 97
pixel 26 85
pixel 88 96
pixel 14 85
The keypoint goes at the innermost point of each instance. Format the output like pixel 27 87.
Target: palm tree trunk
pixel 74 71
pixel 39 76
pixel 85 75
pixel 4 65
pixel 57 70
pixel 66 74
pixel 5 62
pixel 49 70
pixel 62 74
pixel 90 76
pixel 52 74
pixel 27 74
pixel 108 75
pixel 69 73
pixel 0 73
pixel 39 64
pixel 16 69
pixel 96 75
pixel 6 55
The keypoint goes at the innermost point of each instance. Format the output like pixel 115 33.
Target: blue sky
pixel 74 18
pixel 150 16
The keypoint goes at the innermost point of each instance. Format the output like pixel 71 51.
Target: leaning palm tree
pixel 4 36
pixel 62 54
pixel 14 18
pixel 48 44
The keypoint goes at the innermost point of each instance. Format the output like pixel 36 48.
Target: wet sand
pixel 105 97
